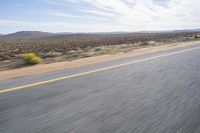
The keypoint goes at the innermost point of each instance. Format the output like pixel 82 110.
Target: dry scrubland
pixel 70 47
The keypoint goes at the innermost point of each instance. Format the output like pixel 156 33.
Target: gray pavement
pixel 157 96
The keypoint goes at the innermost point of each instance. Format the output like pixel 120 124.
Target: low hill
pixel 25 35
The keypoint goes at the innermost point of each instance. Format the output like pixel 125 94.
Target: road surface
pixel 153 93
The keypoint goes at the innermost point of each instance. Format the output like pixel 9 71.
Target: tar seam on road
pixel 93 71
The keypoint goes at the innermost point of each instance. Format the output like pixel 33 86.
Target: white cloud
pixel 59 14
pixel 31 24
pixel 176 13
pixel 96 12
pixel 54 2
pixel 57 26
pixel 124 15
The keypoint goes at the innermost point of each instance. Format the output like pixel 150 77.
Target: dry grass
pixel 72 47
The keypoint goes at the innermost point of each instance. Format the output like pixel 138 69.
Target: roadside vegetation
pixel 30 59
pixel 71 47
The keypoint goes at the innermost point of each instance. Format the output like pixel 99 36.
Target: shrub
pixel 31 59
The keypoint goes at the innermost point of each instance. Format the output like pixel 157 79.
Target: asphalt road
pixel 157 93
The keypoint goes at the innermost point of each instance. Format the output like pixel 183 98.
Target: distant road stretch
pixel 152 93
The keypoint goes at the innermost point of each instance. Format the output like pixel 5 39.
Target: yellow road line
pixel 93 71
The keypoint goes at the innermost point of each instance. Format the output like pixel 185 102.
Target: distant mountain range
pixel 39 34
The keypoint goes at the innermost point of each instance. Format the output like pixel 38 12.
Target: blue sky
pixel 98 15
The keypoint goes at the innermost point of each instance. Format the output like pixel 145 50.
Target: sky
pixel 98 15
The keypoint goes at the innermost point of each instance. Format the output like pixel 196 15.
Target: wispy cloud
pixel 54 2
pixel 59 14
pixel 31 24
pixel 67 15
pixel 175 13
pixel 113 15
pixel 56 26
pixel 96 12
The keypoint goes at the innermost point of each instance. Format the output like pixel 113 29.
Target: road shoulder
pixel 44 68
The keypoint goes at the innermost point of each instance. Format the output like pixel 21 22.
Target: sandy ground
pixel 43 68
